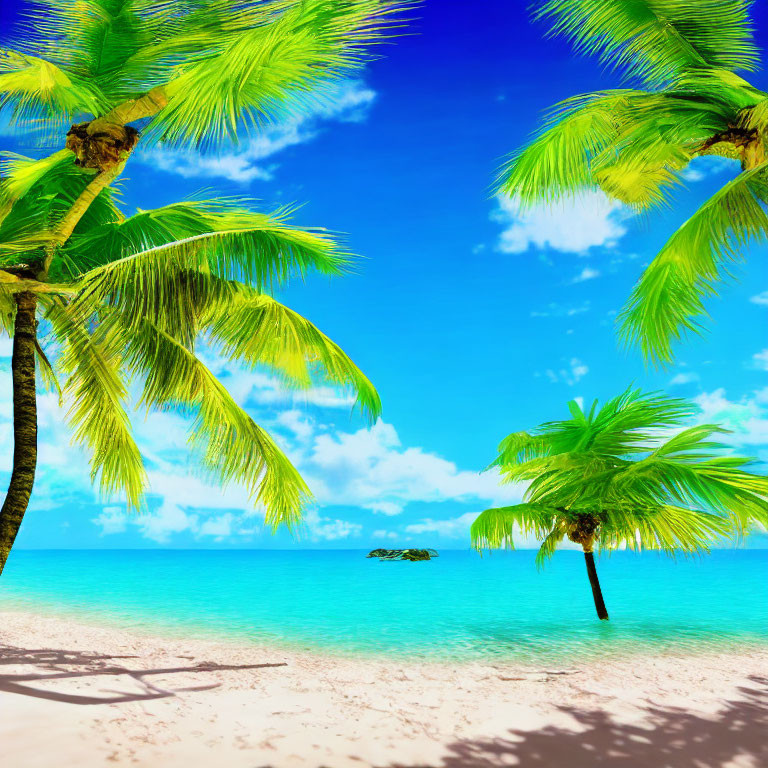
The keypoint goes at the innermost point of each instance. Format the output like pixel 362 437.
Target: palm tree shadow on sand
pixel 670 738
pixel 54 664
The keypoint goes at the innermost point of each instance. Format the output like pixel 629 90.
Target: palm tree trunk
pixel 65 227
pixel 597 594
pixel 24 423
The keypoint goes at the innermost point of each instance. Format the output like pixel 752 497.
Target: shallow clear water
pixel 458 606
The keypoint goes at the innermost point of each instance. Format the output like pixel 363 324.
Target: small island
pixel 403 554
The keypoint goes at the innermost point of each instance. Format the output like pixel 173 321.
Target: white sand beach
pixel 78 695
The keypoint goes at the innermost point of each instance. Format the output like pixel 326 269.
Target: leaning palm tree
pixel 626 475
pixel 128 299
pixel 104 300
pixel 685 99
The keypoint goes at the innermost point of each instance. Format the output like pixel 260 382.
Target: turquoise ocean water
pixel 459 606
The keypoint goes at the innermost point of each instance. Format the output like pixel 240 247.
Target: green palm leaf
pixel 494 528
pixel 632 144
pixel 18 174
pixel 34 88
pixel 35 196
pixel 128 298
pixel 260 331
pixel 656 40
pixel 613 468
pixel 248 81
pixel 98 394
pixel 231 446
pixel 668 301
pixel 222 238
pixel 668 528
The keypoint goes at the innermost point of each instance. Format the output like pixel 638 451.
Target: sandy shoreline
pixel 73 694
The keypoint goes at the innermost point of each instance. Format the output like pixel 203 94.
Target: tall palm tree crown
pixel 685 99
pixel 121 298
pixel 613 477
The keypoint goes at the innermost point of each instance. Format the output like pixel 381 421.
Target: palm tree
pixel 684 100
pixel 626 475
pixel 122 299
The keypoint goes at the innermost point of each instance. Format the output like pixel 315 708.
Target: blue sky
pixel 472 319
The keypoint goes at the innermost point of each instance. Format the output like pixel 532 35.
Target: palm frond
pixel 521 448
pixel 18 174
pixel 248 82
pixel 222 238
pixel 98 393
pixel 755 118
pixel 631 144
pixel 102 40
pixel 258 330
pixel 549 545
pixel 35 88
pixel 668 528
pixel 47 374
pixel 559 454
pixel 231 446
pixel 244 325
pixel 178 35
pixel 618 466
pixel 621 426
pixel 39 194
pixel 494 528
pixel 656 40
pixel 625 423
pixel 642 180
pixel 557 162
pixel 7 311
pixel 688 469
pixel 668 300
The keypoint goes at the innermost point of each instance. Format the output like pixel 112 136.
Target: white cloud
pixel 165 521
pixel 761 360
pixel 553 309
pixel 457 529
pixel 761 298
pixel 176 481
pixel 329 529
pixel 586 274
pixel 388 508
pixel 324 397
pixel 111 520
pixel 382 534
pixel 219 527
pixel 452 528
pixel 256 388
pixel 371 469
pixel 572 374
pixel 578 369
pixel 692 174
pixel 368 470
pixel 346 102
pixel 747 418
pixel 568 225
pixel 297 423
pixel 683 378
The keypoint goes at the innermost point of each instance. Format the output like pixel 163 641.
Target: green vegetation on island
pixel 403 554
